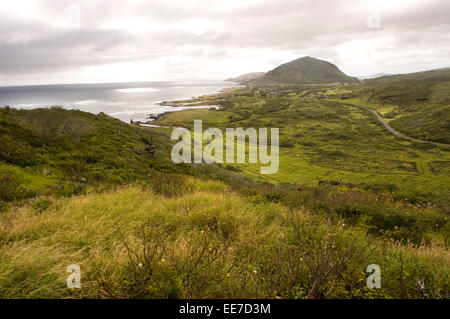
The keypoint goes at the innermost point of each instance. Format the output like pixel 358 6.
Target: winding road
pixel 392 130
pixel 377 115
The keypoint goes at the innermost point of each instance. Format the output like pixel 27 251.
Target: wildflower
pixel 140 265
pixel 255 272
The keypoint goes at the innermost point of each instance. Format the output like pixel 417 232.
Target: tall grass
pixel 205 242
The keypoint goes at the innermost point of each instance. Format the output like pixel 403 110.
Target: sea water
pixel 124 101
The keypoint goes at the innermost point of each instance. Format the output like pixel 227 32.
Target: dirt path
pixel 392 130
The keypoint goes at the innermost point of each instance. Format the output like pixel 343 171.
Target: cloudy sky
pixel 74 41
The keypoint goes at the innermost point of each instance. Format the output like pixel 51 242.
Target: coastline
pixel 124 101
pixel 199 102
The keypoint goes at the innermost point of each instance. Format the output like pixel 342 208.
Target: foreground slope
pixel 203 241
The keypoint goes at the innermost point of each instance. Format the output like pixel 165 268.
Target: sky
pixel 97 41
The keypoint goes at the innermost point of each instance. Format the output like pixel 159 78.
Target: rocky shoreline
pixel 197 104
pixel 155 117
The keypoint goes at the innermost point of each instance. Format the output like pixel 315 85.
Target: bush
pixel 41 205
pixel 232 168
pixel 167 266
pixel 381 187
pixel 169 185
pixel 11 187
pixel 16 152
pixel 286 144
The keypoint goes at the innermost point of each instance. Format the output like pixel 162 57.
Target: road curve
pixel 392 130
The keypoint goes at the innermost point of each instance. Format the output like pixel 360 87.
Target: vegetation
pixel 78 188
pixel 208 241
pixel 59 152
pixel 416 104
pixel 330 140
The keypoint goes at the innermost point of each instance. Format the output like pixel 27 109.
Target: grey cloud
pixel 309 27
pixel 64 50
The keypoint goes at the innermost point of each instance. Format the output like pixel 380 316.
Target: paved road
pixel 393 131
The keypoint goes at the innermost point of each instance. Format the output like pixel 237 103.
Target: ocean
pixel 124 101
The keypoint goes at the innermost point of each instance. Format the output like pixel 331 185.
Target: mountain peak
pixel 304 70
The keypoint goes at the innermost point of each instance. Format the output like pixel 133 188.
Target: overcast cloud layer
pixel 67 41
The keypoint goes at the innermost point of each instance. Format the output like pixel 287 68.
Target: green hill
pixel 245 78
pixel 417 104
pixel 438 75
pixel 306 70
pixel 60 152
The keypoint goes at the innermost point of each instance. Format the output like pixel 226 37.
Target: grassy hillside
pixel 204 241
pixel 416 104
pixel 59 152
pixel 305 70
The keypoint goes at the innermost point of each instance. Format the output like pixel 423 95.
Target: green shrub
pixel 286 144
pixel 169 185
pixel 42 205
pixel 232 168
pixel 11 186
pixel 15 151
